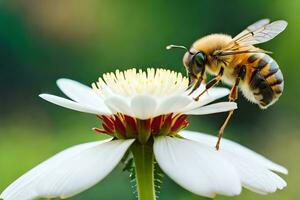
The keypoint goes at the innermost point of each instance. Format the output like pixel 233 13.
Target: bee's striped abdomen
pixel 266 81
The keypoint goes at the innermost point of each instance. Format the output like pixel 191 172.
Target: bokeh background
pixel 41 41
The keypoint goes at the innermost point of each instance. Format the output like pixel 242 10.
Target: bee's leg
pixel 192 79
pixel 196 85
pixel 211 83
pixel 233 95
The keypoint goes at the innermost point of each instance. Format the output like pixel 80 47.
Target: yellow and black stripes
pixel 266 81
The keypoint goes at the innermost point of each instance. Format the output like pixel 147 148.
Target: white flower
pixel 135 107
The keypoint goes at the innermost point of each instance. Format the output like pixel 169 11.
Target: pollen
pixel 154 82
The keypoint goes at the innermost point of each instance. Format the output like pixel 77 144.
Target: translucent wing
pixel 252 28
pixel 260 32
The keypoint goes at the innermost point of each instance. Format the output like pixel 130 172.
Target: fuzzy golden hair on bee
pixel 212 42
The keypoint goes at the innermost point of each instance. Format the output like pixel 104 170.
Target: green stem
pixel 144 170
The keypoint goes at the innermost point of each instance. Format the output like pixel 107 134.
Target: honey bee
pixel 237 62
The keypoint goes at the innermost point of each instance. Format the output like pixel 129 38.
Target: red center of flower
pixel 123 126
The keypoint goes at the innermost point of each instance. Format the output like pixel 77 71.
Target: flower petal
pixel 81 93
pixel 118 104
pixel 173 104
pixel 72 104
pixel 197 168
pixel 213 108
pixel 215 92
pixel 69 172
pixel 143 106
pixel 253 169
pixel 255 177
pixel 198 91
pixel 208 97
pixel 234 148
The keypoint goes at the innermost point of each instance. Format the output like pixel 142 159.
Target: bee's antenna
pixel 178 46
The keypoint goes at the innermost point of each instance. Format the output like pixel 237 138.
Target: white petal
pixel 213 108
pixel 81 93
pixel 173 104
pixel 197 168
pixel 198 91
pixel 143 106
pixel 212 92
pixel 69 172
pixel 234 148
pixel 71 104
pixel 118 104
pixel 255 177
pixel 208 97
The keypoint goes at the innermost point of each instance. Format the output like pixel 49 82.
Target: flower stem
pixel 144 170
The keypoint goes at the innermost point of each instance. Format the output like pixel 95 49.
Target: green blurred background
pixel 41 41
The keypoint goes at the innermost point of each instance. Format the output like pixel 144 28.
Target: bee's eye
pixel 200 58
pixel 194 62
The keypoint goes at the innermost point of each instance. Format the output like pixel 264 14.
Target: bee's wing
pixel 252 28
pixel 261 31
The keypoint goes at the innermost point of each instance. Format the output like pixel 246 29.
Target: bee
pixel 238 63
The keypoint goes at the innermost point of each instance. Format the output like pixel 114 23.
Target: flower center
pixel 156 82
pixel 124 127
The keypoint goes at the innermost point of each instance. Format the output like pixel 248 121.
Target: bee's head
pixel 193 60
